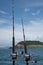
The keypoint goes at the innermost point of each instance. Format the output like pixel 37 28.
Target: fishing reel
pixel 27 57
pixel 14 55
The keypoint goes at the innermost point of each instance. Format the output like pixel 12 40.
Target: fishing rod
pixel 25 49
pixel 14 54
pixel 26 55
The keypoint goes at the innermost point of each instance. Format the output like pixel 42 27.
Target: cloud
pixel 34 31
pixel 5 23
pixel 2 22
pixel 36 13
pixel 37 4
pixel 33 3
pixel 26 10
pixel 37 22
pixel 10 17
pixel 2 12
pixel 29 3
pixel 5 36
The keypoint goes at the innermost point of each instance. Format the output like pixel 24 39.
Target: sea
pixel 6 59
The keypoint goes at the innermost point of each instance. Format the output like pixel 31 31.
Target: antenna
pixel 14 54
pixel 26 55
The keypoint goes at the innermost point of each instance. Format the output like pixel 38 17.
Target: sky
pixel 31 11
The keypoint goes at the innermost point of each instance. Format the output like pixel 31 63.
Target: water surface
pixel 37 54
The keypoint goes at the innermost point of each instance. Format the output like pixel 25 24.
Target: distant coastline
pixel 30 44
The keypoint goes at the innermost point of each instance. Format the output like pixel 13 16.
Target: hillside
pixel 30 44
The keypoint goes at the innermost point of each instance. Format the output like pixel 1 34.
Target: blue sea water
pixel 5 56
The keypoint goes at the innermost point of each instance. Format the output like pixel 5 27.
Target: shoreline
pixel 30 46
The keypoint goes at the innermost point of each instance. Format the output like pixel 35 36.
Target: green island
pixel 30 44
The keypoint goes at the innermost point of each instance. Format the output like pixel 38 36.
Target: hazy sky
pixel 32 13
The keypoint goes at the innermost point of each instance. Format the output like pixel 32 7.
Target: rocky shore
pixel 29 46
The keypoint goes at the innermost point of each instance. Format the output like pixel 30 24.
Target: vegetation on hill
pixel 31 43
